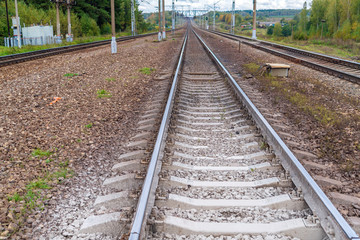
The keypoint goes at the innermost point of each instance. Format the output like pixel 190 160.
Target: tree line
pixel 88 18
pixel 338 19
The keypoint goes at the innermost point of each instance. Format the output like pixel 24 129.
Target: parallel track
pixel 341 68
pixel 210 175
pixel 22 57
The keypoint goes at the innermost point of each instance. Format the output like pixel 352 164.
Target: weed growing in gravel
pixel 263 145
pixel 48 160
pixel 111 79
pixel 88 126
pixel 102 93
pixel 41 153
pixel 15 197
pixel 38 184
pixel 146 70
pixel 71 75
pixel 252 67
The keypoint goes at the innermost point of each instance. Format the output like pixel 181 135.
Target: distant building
pixel 266 24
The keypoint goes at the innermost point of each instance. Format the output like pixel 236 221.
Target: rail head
pixel 331 220
pixel 328 58
pixel 149 186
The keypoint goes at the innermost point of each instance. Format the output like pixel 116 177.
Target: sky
pixel 222 5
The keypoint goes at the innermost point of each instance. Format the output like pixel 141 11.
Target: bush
pixel 344 32
pixel 299 35
pixel 277 30
pixel 106 28
pixel 286 30
pixel 270 30
pixel 89 26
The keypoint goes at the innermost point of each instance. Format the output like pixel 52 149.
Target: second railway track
pixel 212 174
pixel 341 68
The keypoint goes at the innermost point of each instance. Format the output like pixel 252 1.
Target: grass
pixel 251 67
pixel 102 93
pixel 90 125
pixel 70 75
pixel 111 79
pixel 146 70
pixel 41 153
pixel 335 47
pixel 38 184
pixel 15 197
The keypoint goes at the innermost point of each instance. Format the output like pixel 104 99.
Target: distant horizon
pixel 148 6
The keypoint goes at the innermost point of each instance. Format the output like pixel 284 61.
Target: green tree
pixel 286 30
pixel 277 30
pixel 270 30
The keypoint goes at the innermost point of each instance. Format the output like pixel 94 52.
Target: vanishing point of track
pixel 219 169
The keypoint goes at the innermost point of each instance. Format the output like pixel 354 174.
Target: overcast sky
pixel 148 5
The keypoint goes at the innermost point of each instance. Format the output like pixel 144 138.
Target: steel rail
pixel 22 57
pixel 150 183
pixel 328 58
pixel 329 70
pixel 330 219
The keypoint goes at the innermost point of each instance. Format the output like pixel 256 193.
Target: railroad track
pixel 22 57
pixel 212 173
pixel 341 68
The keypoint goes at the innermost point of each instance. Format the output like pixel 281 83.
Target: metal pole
pixel 7 17
pixel 173 17
pixel 233 18
pixel 254 21
pixel 17 24
pixel 214 19
pixel 113 39
pixel 69 37
pixel 133 18
pixel 159 34
pixel 58 33
pixel 164 28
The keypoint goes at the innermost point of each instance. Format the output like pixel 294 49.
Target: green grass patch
pixel 102 93
pixel 15 197
pixel 71 75
pixel 90 125
pixel 111 79
pixel 147 71
pixel 38 184
pixel 41 153
pixel 251 67
pixel 49 160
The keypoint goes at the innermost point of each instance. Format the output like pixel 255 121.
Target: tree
pixel 277 30
pixel 270 30
pixel 303 18
pixel 286 30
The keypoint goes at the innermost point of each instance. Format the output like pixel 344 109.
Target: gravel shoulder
pixel 63 120
pixel 316 114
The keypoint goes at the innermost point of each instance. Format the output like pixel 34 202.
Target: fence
pixel 13 42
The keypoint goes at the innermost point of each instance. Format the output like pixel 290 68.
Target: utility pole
pixel 113 39
pixel 173 17
pixel 58 33
pixel 7 17
pixel 133 23
pixel 233 18
pixel 214 18
pixel 69 36
pixel 254 21
pixel 164 28
pixel 159 34
pixel 17 24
